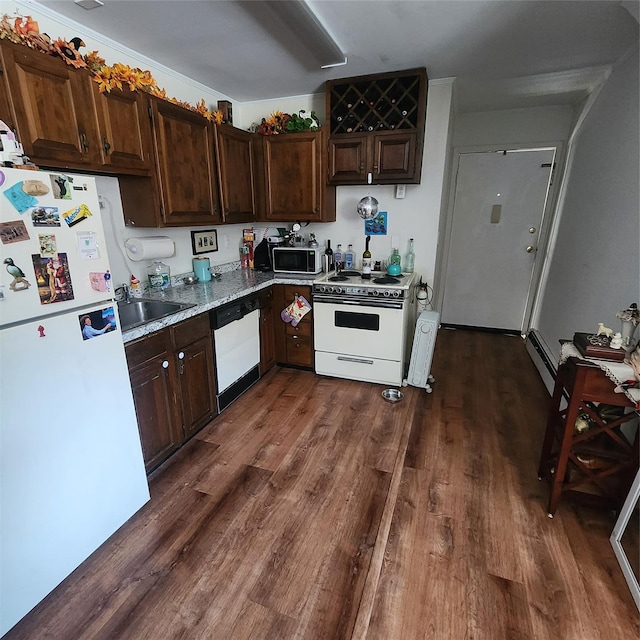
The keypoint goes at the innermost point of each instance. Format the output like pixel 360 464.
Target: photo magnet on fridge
pixel 97 323
pixel 376 226
pixel 75 215
pixel 48 245
pixel 61 187
pixel 53 277
pixel 45 216
pixel 13 231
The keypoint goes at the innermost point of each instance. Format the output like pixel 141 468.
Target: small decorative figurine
pixel 616 341
pixel 604 331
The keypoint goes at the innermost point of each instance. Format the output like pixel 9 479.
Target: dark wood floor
pixel 312 509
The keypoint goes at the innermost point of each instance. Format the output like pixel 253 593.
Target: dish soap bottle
pixel 350 258
pixel 337 258
pixel 159 275
pixel 410 258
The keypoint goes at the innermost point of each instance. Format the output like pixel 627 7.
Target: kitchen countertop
pixel 208 295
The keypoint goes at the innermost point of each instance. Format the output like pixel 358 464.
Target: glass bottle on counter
pixel 410 258
pixel 350 258
pixel 395 257
pixel 159 275
pixel 366 260
pixel 327 259
pixel 337 258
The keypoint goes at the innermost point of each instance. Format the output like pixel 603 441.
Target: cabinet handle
pixel 181 358
pixel 316 210
pixel 165 364
pixel 362 166
pixel 369 177
pixel 106 146
pixel 83 142
pixel 226 209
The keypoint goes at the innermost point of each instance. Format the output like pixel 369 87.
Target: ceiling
pixel 504 53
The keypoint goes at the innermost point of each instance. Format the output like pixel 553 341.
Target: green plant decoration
pixel 302 122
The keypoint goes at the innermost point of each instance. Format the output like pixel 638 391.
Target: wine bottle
pixel 366 260
pixel 410 258
pixel 349 258
pixel 328 258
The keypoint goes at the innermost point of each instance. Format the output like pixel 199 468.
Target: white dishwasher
pixel 236 342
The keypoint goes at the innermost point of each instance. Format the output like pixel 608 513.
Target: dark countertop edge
pixel 188 294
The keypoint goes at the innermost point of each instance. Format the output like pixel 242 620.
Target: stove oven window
pixel 350 320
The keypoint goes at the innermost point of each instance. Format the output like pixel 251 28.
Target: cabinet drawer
pixel 299 351
pixel 291 290
pixel 148 347
pixel 190 330
pixel 304 329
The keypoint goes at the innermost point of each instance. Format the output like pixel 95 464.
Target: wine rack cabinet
pixel 362 112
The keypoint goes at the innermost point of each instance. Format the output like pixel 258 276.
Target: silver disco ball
pixel 368 207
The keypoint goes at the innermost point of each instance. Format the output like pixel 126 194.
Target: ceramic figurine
pixel 604 331
pixel 616 341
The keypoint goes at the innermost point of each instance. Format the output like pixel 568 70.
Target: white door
pixel 499 202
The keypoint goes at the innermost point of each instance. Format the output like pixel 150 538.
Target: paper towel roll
pixel 150 248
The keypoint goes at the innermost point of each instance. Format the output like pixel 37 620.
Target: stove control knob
pixel 330 289
pixel 320 288
pixel 385 294
pixel 338 289
pixel 375 292
pixel 395 294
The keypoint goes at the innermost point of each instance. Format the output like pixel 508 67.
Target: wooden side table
pixel 599 463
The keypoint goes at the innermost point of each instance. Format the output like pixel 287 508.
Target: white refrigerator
pixel 71 466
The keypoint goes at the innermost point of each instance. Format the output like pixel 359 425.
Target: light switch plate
pixel 401 190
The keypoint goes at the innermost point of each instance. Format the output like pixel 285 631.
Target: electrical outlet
pixel 401 190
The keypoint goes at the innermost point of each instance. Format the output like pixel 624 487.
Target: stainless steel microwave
pixel 297 259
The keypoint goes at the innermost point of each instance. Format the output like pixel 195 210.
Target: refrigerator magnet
pixel 35 188
pixel 45 216
pixel 60 186
pixel 19 282
pixel 75 215
pixel 13 231
pixel 97 280
pixel 54 279
pixel 88 246
pixel 97 323
pixel 48 245
pixel 20 200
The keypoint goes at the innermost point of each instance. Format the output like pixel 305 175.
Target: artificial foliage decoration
pixel 279 122
pixel 24 30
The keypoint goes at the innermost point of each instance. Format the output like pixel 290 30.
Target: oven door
pixel 360 329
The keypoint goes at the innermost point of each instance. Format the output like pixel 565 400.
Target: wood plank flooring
pixel 311 509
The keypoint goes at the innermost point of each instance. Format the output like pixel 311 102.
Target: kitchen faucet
pixel 124 291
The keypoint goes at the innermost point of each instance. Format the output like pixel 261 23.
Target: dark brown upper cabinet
pixel 186 170
pixel 238 154
pixel 295 178
pixel 376 128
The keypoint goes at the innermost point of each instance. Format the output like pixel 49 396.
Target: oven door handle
pixel 358 360
pixel 369 302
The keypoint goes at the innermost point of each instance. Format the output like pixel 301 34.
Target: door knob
pixel 532 229
pixel 530 249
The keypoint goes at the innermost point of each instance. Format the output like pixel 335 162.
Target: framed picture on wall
pixel 204 241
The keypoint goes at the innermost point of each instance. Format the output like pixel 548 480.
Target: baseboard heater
pixel 232 392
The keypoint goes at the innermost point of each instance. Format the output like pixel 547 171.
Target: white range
pixel 363 328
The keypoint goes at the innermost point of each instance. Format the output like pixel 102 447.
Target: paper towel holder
pixel 157 246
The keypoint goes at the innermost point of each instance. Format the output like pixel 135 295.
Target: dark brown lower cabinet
pixel 294 345
pixel 173 383
pixel 267 335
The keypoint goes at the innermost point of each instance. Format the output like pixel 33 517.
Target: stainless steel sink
pixel 138 312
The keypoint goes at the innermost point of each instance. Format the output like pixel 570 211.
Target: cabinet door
pixel 394 158
pixel 197 385
pixel 53 106
pixel 348 160
pixel 153 400
pixel 237 171
pixel 125 130
pixel 185 159
pixel 295 180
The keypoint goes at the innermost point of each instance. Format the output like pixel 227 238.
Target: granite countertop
pixel 230 286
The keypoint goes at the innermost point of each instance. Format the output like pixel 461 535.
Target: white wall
pixel 595 270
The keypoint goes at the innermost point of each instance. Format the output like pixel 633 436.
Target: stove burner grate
pixel 338 279
pixel 386 280
pixel 350 273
